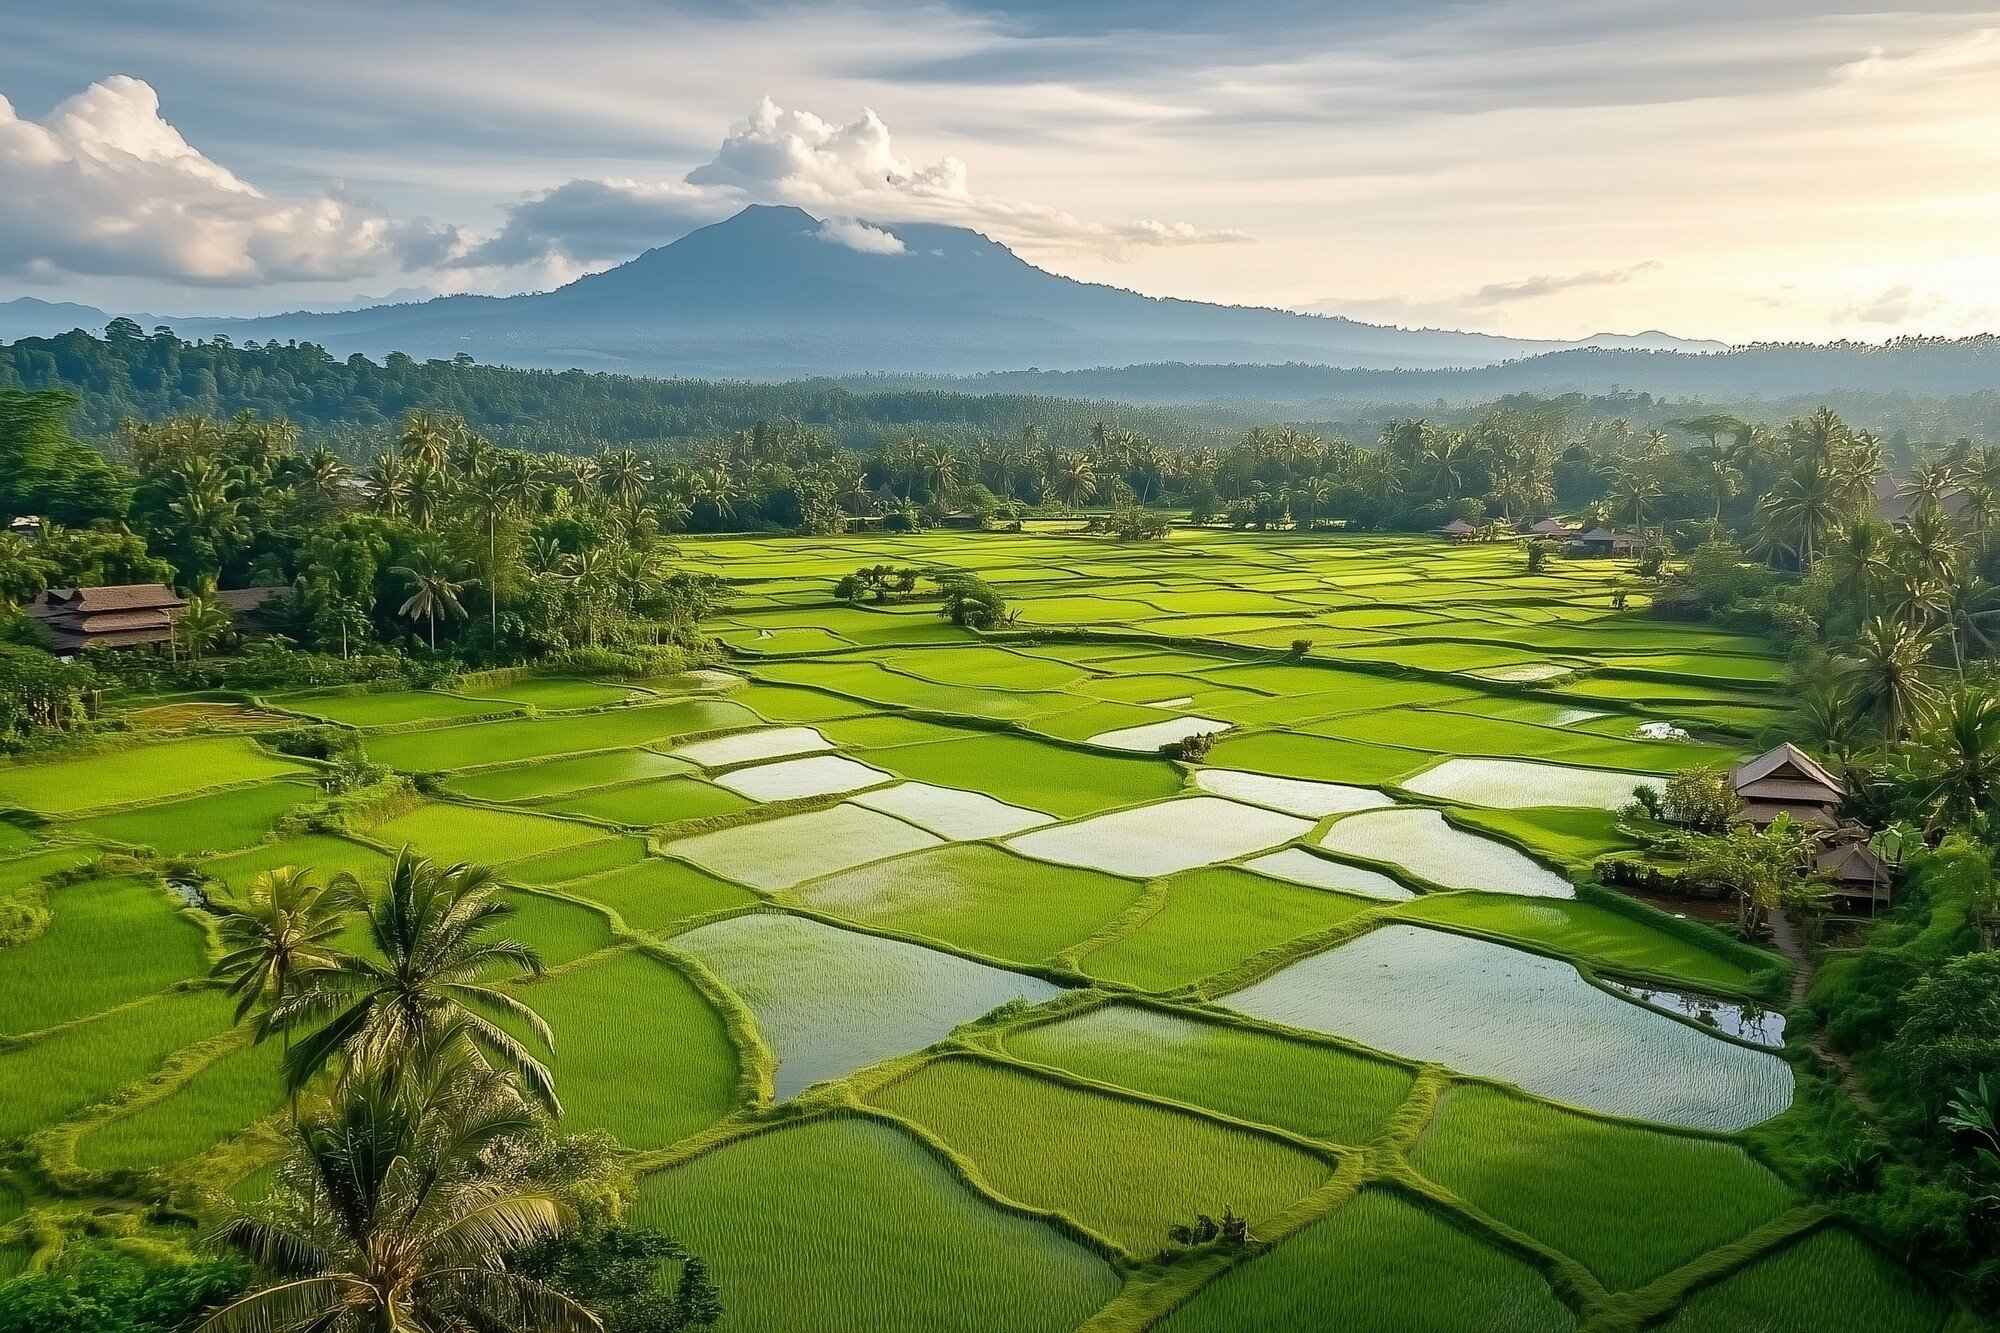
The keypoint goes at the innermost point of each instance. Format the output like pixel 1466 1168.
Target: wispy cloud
pixel 1483 300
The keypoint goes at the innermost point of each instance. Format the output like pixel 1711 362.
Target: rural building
pixel 247 604
pixel 1606 541
pixel 1458 530
pixel 1550 527
pixel 1894 505
pixel 128 615
pixel 1855 873
pixel 1787 781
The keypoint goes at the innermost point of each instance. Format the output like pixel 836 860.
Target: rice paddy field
pixel 926 993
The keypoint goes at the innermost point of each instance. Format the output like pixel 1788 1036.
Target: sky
pixel 1554 168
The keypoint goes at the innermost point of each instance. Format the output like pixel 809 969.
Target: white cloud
pixel 1910 307
pixel 1483 300
pixel 105 186
pixel 777 156
pixel 858 235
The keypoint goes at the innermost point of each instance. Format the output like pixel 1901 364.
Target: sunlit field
pixel 926 993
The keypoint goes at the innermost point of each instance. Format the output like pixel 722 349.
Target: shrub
pixel 1698 798
pixel 1190 749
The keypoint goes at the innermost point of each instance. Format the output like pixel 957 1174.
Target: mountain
pixel 28 317
pixel 766 295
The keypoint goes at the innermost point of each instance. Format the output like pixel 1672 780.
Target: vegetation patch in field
pixel 638 1050
pixel 793 779
pixel 1148 738
pixel 474 745
pixel 832 1001
pixel 238 1089
pixel 390 707
pixel 1597 935
pixel 1212 920
pixel 447 832
pixel 555 777
pixel 645 804
pixel 1128 1170
pixel 1320 1091
pixel 978 898
pixel 1162 838
pixel 1829 1280
pixel 216 822
pixel 951 813
pixel 138 773
pixel 1486 1009
pixel 781 853
pixel 1630 1204
pixel 107 941
pixel 1513 784
pixel 797 1226
pixel 53 1077
pixel 1381 1264
pixel 654 893
pixel 323 853
pixel 1034 774
pixel 1421 842
pixel 1300 866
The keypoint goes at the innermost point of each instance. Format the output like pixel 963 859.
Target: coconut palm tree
pixel 1969 609
pixel 1805 505
pixel 201 624
pixel 1860 563
pixel 1887 669
pixel 280 932
pixel 388 1216
pixel 389 476
pixel 1956 753
pixel 426 437
pixel 430 973
pixel 433 593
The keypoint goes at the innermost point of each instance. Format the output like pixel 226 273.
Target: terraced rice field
pixel 971 995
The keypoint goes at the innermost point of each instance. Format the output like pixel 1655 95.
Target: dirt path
pixel 1786 936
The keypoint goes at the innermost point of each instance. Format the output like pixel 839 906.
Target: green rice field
pixel 923 993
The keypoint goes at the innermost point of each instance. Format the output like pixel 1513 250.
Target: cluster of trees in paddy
pixel 424 548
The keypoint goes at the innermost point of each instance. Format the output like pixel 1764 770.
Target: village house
pixel 1787 781
pixel 133 615
pixel 1608 542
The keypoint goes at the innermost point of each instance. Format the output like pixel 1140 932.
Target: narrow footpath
pixel 1786 936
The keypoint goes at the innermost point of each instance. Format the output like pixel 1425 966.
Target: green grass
pixel 447 832
pixel 559 931
pixel 552 693
pixel 638 1051
pixel 55 1076
pixel 1316 757
pixel 390 707
pixel 978 898
pixel 476 744
pixel 554 777
pixel 1320 1091
pixel 655 893
pixel 236 1090
pixel 644 804
pixel 107 941
pixel 217 822
pixel 1630 1204
pixel 1127 1170
pixel 1575 836
pixel 19 871
pixel 590 858
pixel 1041 776
pixel 1830 1280
pixel 1598 936
pixel 1379 1265
pixel 850 1224
pixel 323 853
pixel 1212 920
pixel 138 773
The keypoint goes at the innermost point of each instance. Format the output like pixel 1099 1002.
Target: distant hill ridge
pixel 764 295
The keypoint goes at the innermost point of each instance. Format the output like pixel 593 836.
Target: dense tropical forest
pixel 422 521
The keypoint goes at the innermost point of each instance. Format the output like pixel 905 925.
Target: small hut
pixel 1787 781
pixel 1855 874
pixel 1458 530
pixel 1553 528
pixel 1608 542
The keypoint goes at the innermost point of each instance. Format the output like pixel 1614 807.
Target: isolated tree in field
pixel 435 956
pixel 433 593
pixel 389 1218
pixel 283 931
